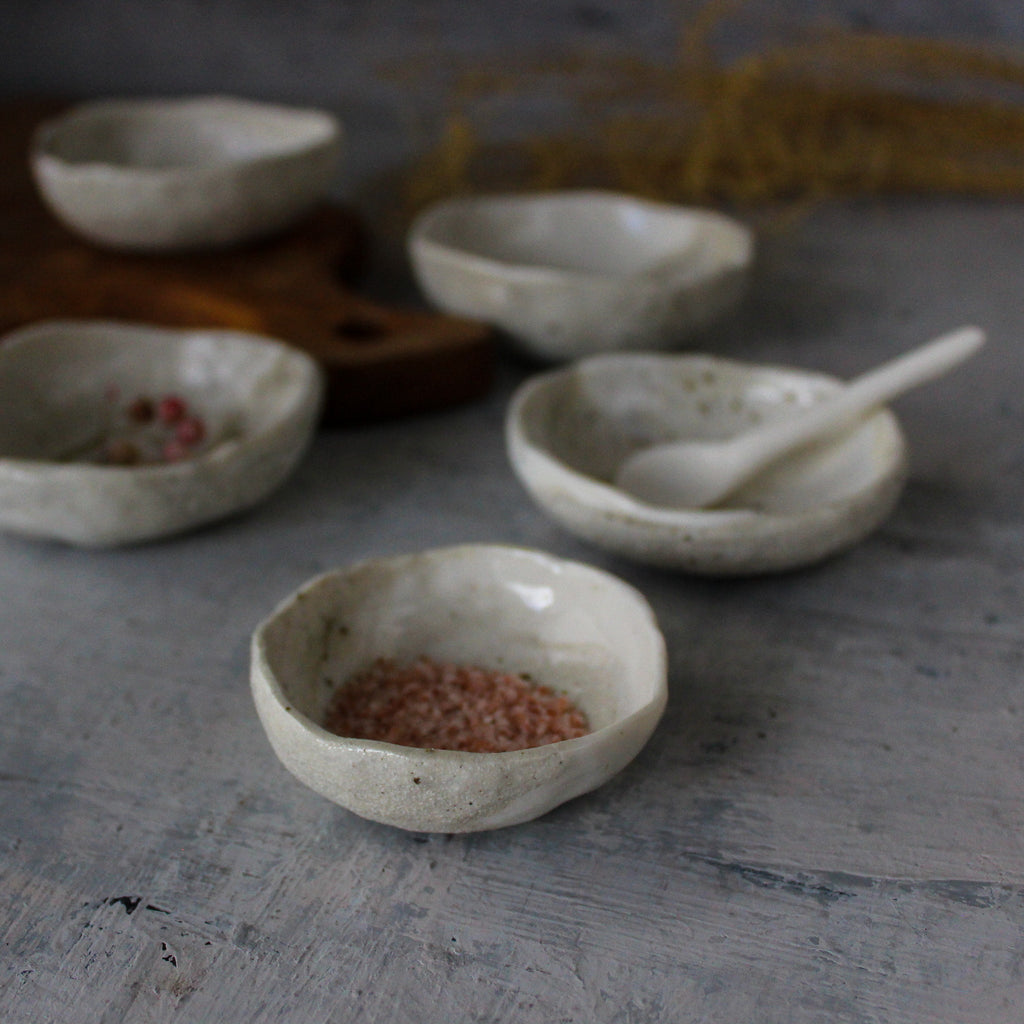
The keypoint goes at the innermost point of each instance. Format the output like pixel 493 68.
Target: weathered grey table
pixel 827 826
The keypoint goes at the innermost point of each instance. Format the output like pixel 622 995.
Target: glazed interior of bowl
pixel 489 607
pixel 63 384
pixel 568 432
pixel 584 232
pixel 81 464
pixel 159 135
pixel 593 233
pixel 611 407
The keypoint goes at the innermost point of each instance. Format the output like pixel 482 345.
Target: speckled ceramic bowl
pixel 574 628
pixel 165 174
pixel 569 430
pixel 64 386
pixel 570 274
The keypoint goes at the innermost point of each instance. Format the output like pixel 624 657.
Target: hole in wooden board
pixel 360 328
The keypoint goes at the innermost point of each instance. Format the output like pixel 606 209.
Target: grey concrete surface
pixel 827 825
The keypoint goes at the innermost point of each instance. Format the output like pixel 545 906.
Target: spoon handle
pixel 862 394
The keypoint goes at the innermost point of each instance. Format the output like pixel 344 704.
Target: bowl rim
pixel 424 239
pixel 328 134
pixel 307 387
pixel 264 678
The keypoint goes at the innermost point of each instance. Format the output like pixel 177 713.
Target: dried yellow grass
pixel 837 114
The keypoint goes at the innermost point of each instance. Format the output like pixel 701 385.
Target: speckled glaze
pixel 571 274
pixel 569 430
pixel 260 400
pixel 577 629
pixel 166 174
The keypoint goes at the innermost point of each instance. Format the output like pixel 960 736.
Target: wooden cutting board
pixel 380 362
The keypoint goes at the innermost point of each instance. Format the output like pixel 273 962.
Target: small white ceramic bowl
pixel 570 274
pixel 569 430
pixel 61 389
pixel 574 628
pixel 165 174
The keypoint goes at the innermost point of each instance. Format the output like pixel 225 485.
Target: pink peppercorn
pixel 190 430
pixel 171 409
pixel 153 431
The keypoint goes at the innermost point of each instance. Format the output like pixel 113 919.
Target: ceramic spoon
pixel 697 474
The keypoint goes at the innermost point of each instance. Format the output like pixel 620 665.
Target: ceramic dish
pixel 570 274
pixel 65 388
pixel 574 628
pixel 164 174
pixel 569 430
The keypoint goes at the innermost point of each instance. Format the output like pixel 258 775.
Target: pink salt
pixel 451 707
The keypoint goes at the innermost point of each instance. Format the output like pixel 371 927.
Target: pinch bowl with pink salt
pixel 119 433
pixel 459 689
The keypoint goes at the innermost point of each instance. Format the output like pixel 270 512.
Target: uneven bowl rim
pixel 309 389
pixel 267 679
pixel 607 499
pixel 422 241
pixel 43 158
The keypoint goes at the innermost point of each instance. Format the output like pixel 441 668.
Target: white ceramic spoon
pixel 697 474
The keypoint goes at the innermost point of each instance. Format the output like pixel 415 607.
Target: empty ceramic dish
pixel 570 274
pixel 118 433
pixel 164 174
pixel 568 432
pixel 578 630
